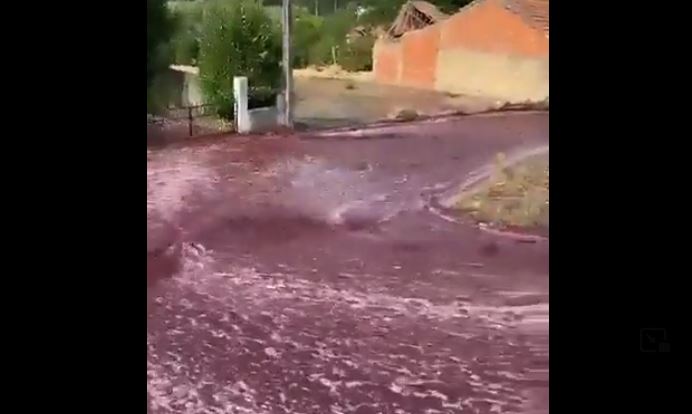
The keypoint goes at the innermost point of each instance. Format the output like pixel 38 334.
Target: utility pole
pixel 286 25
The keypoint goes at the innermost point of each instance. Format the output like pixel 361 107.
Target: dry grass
pixel 512 197
pixel 332 72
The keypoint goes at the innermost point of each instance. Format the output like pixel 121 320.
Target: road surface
pixel 309 275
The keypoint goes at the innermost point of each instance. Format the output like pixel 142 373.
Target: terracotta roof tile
pixel 415 15
pixel 535 12
pixel 430 9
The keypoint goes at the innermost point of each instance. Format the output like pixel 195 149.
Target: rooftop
pixel 415 15
pixel 534 12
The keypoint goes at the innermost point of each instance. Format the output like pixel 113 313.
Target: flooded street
pixel 310 274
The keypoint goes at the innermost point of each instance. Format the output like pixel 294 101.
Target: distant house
pixel 491 48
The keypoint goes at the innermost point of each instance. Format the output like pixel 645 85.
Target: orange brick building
pixel 490 48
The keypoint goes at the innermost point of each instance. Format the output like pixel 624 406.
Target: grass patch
pixel 515 197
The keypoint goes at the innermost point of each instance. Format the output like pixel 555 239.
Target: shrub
pixel 330 46
pixel 307 31
pixel 237 39
pixel 320 53
pixel 357 55
pixel 338 25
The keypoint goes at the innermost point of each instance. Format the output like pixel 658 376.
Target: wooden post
pixel 287 23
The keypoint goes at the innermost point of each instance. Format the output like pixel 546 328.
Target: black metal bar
pixel 189 118
pixel 173 108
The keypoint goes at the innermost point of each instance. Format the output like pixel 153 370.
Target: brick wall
pixel 419 57
pixel 387 61
pixel 488 27
pixel 482 50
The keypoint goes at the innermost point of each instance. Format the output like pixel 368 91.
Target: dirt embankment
pixel 332 72
pixel 513 198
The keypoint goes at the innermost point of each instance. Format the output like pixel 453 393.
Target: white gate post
pixel 242 117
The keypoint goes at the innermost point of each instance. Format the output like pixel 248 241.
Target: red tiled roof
pixel 415 15
pixel 430 9
pixel 535 12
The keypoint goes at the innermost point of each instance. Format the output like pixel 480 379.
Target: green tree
pixel 316 7
pixel 185 42
pixel 357 55
pixel 385 11
pixel 160 27
pixel 238 39
pixel 331 41
pixel 307 32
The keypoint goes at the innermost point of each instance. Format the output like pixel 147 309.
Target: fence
pixel 256 110
pixel 199 119
pixel 186 121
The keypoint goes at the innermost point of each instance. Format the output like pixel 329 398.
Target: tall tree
pixel 239 38
pixel 160 27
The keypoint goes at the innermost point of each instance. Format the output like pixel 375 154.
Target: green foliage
pixel 385 11
pixel 185 48
pixel 319 40
pixel 188 16
pixel 338 24
pixel 160 27
pixel 238 39
pixel 320 53
pixel 307 32
pixel 316 7
pixel 357 55
pixel 381 11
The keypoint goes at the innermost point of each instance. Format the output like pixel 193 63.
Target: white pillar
pixel 242 117
pixel 287 65
pixel 280 111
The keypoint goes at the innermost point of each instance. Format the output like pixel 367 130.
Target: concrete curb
pixel 454 193
pixel 380 128
pixel 519 237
